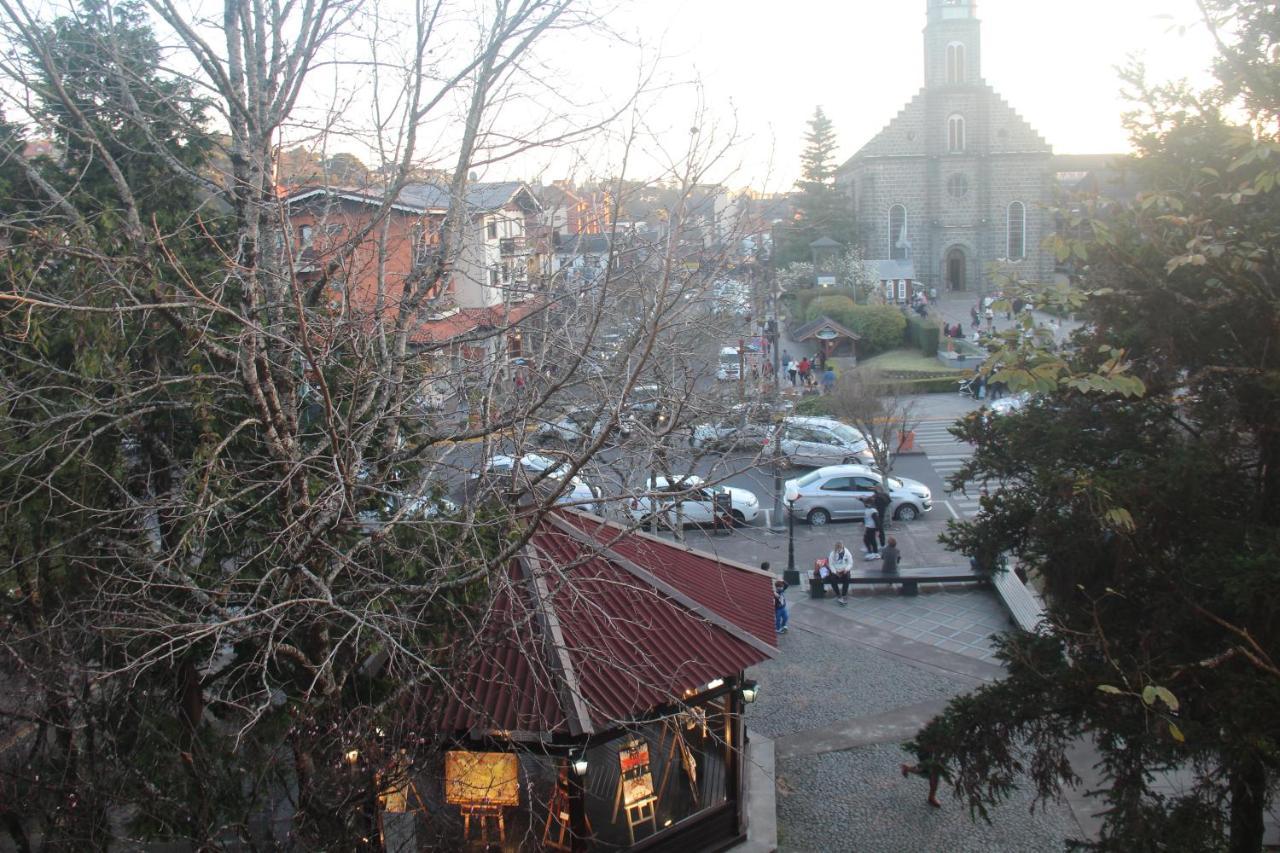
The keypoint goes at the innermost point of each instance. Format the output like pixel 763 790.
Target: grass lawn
pixel 907 361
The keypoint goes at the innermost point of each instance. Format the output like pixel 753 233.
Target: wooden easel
pixel 675 728
pixel 635 794
pixel 484 816
pixel 558 834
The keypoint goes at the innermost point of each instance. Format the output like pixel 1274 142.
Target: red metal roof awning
pixel 599 626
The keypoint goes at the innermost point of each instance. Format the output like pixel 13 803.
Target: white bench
pixel 1023 604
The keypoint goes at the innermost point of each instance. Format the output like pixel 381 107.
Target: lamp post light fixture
pixel 791 575
pixel 750 690
pixel 578 763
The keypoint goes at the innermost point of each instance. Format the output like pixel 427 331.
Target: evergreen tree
pixel 822 210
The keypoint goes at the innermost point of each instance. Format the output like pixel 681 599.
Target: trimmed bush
pixel 814 407
pixel 924 334
pixel 833 305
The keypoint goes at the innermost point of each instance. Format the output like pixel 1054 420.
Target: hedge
pixel 925 335
pixel 879 326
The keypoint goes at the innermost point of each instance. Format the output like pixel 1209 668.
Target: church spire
pixel 952 43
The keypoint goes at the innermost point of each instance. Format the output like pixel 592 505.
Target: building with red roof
pixel 611 666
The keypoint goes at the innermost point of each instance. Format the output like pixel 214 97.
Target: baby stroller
pixel 970 387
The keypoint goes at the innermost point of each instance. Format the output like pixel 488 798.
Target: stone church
pixel 958 179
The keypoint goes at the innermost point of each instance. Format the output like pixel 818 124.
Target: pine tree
pixel 822 210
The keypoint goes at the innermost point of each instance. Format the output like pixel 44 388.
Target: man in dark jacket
pixel 882 501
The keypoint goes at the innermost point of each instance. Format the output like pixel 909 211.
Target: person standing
pixel 803 369
pixel 870 542
pixel 840 563
pixel 780 614
pixel 882 501
pixel 890 556
pixel 791 372
pixel 828 381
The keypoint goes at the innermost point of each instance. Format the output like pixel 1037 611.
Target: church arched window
pixel 955 134
pixel 1017 231
pixel 955 63
pixel 898 246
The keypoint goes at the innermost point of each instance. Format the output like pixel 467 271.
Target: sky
pixel 761 68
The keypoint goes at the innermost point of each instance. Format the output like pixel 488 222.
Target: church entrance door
pixel 956 264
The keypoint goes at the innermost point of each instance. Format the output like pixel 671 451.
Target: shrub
pixel 833 305
pixel 924 334
pixel 879 325
pixel 813 407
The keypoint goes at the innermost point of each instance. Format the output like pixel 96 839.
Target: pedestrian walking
pixel 803 369
pixel 973 313
pixel 791 372
pixel 786 357
pixel 870 523
pixel 840 562
pixel 828 381
pixel 929 770
pixel 882 501
pixel 991 320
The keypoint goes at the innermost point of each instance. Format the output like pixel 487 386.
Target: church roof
pixel 906 134
pixel 895 270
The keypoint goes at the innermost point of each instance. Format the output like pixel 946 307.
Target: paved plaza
pixel 853 683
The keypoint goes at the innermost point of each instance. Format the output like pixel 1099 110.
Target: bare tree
pixel 878 407
pixel 236 550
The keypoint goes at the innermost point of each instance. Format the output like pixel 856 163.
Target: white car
pixel 841 492
pixel 692 501
pixel 746 426
pixel 1009 405
pixel 580 493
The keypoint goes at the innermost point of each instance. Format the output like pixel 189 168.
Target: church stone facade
pixel 958 180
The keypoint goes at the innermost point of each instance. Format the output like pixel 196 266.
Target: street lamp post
pixel 791 575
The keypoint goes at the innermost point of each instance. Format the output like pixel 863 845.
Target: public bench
pixel 909 579
pixel 1023 604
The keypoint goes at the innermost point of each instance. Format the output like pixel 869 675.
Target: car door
pixel 826 449
pixel 698 508
pixel 864 488
pixel 799 445
pixel 839 496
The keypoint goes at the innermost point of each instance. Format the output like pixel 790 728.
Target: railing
pixel 513 246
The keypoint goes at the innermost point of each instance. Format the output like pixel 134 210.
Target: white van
pixel 730 369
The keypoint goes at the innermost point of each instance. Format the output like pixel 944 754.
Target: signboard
pixel 827 335
pixel 481 778
pixel 826 281
pixel 637 780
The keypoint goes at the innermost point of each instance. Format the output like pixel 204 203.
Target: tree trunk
pixel 1248 805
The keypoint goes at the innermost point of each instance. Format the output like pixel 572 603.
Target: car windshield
pixel 847 434
pixel 809 479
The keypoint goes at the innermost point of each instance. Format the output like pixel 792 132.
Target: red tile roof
pixel 599 626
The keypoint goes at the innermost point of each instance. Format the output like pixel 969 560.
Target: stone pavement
pixel 853 683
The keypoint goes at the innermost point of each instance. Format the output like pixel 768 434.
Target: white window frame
pixel 956 142
pixel 1021 254
pixel 902 290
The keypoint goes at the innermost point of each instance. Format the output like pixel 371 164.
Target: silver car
pixel 814 442
pixel 842 491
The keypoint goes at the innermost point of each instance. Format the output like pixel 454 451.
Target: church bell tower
pixel 952 44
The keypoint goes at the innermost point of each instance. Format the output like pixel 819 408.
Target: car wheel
pixel 819 517
pixel 907 512
pixel 738 518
